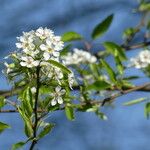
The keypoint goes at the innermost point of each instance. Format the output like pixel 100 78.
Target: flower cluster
pixel 37 46
pixel 35 49
pixel 78 56
pixel 142 60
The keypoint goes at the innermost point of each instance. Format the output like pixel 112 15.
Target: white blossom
pixel 79 56
pixel 71 80
pixel 9 67
pixel 35 48
pixel 33 90
pixel 44 33
pixel 57 96
pixel 28 62
pixel 142 60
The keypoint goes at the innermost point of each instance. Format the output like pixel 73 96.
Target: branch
pixel 93 102
pixel 34 141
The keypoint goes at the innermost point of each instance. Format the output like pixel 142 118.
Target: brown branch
pixel 93 102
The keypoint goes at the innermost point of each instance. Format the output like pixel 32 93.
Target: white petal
pixel 43 47
pixel 36 63
pixel 23 63
pixel 49 42
pixel 24 58
pixel 60 100
pixel 18 45
pixel 53 102
pixel 62 92
pixel 57 89
pixel 56 54
pixel 33 90
pixel 46 56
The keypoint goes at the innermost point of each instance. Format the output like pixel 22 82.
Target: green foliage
pixel 115 50
pixel 69 112
pixel 18 145
pixel 144 6
pixel 99 85
pixel 59 65
pixel 65 50
pixel 147 110
pixel 133 102
pixel 109 70
pixel 101 115
pixel 3 126
pixel 27 122
pixel 2 101
pixel 71 36
pixel 129 32
pixel 47 129
pixel 102 27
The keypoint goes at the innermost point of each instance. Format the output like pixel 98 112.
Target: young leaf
pixel 2 101
pixel 133 102
pixel 119 65
pixel 110 71
pixel 102 116
pixel 115 50
pixel 48 127
pixel 65 50
pixel 18 145
pixel 71 36
pixel 59 65
pixel 27 124
pixel 147 110
pixel 98 85
pixel 69 113
pixel 3 126
pixel 102 27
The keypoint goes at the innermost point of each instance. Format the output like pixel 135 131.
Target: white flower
pixel 145 56
pixel 31 53
pixel 33 90
pixel 79 56
pixel 26 41
pixel 142 60
pixel 9 67
pixel 57 96
pixel 71 80
pixel 44 33
pixel 28 62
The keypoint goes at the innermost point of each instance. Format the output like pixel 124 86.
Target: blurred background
pixel 127 128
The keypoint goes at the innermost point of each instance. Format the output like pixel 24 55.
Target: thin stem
pixel 35 110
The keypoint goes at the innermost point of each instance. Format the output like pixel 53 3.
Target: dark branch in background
pixel 94 102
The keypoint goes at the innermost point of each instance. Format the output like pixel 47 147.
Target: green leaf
pixel 2 101
pixel 59 65
pixel 102 27
pixel 3 126
pixel 18 145
pixel 133 102
pixel 147 110
pixel 131 78
pixel 98 85
pixel 119 65
pixel 27 101
pixel 71 36
pixel 69 113
pixel 101 115
pixel 110 71
pixel 27 123
pixel 65 50
pixel 48 127
pixel 115 50
pixel 144 6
